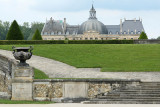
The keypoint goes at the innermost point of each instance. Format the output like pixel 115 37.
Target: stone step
pixel 128 97
pixel 136 93
pixel 120 99
pixel 121 102
pixel 150 84
pixel 139 90
pixel 156 89
pixel 133 95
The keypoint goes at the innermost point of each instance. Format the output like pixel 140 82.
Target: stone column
pixel 22 83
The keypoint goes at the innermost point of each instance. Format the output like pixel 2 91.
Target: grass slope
pixel 24 102
pixel 39 74
pixel 106 56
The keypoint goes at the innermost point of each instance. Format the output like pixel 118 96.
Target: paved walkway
pixel 56 69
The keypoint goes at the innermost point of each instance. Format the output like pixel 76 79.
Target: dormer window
pixel 117 33
pixel 67 33
pixel 59 33
pixel 52 33
pixel 132 33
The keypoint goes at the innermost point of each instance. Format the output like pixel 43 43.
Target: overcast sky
pixel 76 11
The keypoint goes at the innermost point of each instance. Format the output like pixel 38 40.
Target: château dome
pixel 92 24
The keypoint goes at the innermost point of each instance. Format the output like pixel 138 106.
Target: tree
pixel 158 38
pixel 37 35
pixel 14 32
pixel 143 36
pixel 34 27
pixel 26 30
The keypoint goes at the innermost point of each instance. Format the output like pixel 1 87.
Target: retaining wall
pixel 146 41
pixel 6 67
pixel 76 90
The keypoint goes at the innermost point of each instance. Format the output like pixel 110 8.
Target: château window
pixel 91 38
pixel 124 38
pixel 67 33
pixel 86 38
pixel 117 33
pixel 96 38
pixel 45 33
pixel 59 33
pixel 125 32
pixel 52 33
pixel 73 33
pixel 132 33
pixel 110 32
pixel 131 38
pixel 139 32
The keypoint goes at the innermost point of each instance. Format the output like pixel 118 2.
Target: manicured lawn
pixel 106 56
pixel 24 102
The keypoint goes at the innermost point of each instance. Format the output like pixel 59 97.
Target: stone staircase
pixel 145 93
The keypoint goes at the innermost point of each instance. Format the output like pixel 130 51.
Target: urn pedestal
pixel 22 76
pixel 22 84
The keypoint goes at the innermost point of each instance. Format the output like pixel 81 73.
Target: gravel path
pixel 56 69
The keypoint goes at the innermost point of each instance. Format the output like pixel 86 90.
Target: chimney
pixel 121 26
pixel 51 18
pixel 65 26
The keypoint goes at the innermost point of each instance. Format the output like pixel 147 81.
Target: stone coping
pixel 86 80
pixel 13 61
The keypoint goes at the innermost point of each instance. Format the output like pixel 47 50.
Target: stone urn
pixel 22 54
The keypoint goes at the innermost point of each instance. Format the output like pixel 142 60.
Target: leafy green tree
pixel 3 30
pixel 26 30
pixel 14 32
pixel 34 27
pixel 143 36
pixel 37 35
pixel 158 38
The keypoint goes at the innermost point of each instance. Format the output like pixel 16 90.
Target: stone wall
pixel 146 41
pixel 6 67
pixel 76 90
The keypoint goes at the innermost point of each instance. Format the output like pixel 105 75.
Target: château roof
pixel 132 25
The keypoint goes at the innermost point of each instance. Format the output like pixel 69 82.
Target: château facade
pixel 92 29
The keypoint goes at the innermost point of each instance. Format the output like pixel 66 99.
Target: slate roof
pixel 72 29
pixel 53 26
pixel 132 25
pixel 113 29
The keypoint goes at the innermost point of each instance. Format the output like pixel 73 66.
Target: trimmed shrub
pixel 37 35
pixel 143 36
pixel 21 42
pixel 14 32
pixel 6 42
pixel 101 42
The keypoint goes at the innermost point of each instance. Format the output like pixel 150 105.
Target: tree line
pixel 27 29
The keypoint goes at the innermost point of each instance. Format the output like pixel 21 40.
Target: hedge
pixel 101 42
pixel 10 42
